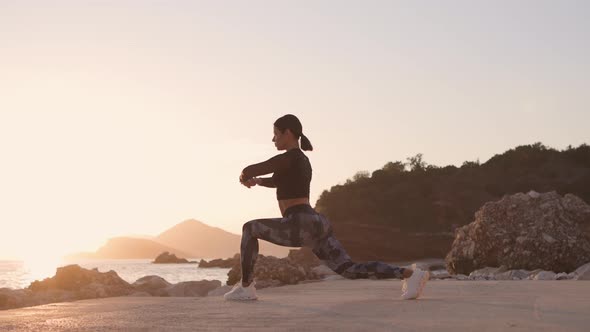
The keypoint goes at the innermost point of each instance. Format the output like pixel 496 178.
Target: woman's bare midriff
pixel 287 203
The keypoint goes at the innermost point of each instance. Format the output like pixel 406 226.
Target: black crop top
pixel 291 174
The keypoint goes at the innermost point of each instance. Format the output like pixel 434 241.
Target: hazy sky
pixel 127 117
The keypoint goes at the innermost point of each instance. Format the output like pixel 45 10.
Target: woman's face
pixel 280 139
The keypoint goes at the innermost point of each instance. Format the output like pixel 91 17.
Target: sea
pixel 19 274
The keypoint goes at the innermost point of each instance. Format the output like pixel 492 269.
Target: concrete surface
pixel 338 305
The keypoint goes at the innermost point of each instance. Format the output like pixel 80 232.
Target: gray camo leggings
pixel 303 227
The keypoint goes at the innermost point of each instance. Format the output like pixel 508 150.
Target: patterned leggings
pixel 303 227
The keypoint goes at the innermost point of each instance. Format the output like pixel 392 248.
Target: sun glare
pixel 41 265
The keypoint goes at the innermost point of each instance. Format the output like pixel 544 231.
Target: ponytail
pixel 291 122
pixel 305 143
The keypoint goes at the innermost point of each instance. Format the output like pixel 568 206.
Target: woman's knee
pixel 247 227
pixel 253 227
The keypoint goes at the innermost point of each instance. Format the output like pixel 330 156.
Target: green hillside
pixel 409 210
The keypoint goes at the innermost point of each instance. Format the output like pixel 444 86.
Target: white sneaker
pixel 413 286
pixel 240 293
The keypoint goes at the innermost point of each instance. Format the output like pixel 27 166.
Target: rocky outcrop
pixel 158 286
pixel 501 273
pixel 153 285
pixel 15 298
pixel 223 263
pixel 69 283
pixel 83 283
pixel 193 288
pixel 72 283
pixel 524 231
pixel 168 258
pixel 270 271
pixel 303 257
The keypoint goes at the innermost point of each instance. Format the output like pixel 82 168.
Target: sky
pixel 128 117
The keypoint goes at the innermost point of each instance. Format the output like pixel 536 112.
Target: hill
pixel 210 242
pixel 410 210
pixel 188 239
pixel 130 248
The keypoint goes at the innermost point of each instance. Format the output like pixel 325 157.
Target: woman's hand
pixel 251 183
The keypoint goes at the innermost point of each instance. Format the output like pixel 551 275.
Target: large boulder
pixel 158 286
pixel 83 283
pixel 269 268
pixel 193 288
pixel 153 285
pixel 70 283
pixel 303 257
pixel 524 231
pixel 270 271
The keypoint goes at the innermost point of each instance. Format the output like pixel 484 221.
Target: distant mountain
pixel 128 247
pixel 210 242
pixel 189 239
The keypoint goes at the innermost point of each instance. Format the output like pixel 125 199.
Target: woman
pixel 300 225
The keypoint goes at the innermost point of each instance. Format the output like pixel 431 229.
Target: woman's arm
pixel 270 166
pixel 266 182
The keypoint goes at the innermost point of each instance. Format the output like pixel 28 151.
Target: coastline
pixel 19 274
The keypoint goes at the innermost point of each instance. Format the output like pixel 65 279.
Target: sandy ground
pixel 338 305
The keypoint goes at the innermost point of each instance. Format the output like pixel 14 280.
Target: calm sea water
pixel 20 274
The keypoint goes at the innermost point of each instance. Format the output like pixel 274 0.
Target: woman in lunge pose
pixel 301 225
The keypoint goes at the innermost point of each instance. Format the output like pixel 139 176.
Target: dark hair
pixel 291 122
